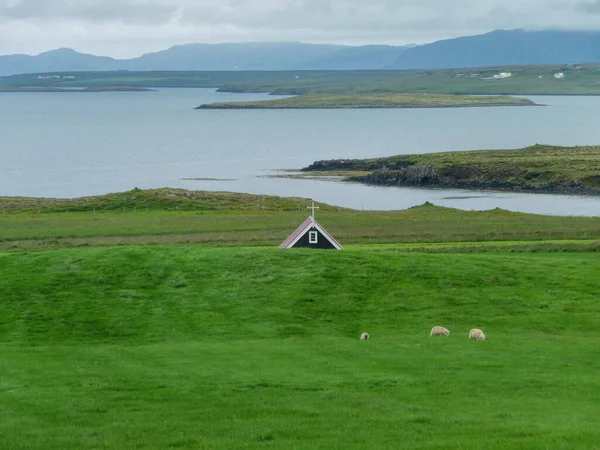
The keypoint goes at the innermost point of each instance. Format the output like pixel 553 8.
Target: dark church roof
pixel 306 226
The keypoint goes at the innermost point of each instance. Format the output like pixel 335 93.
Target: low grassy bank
pixel 176 216
pixel 254 348
pixel 388 100
pixel 540 168
pixel 163 199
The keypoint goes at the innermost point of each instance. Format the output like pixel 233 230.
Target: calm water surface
pixel 76 144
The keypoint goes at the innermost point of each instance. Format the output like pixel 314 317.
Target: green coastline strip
pixel 387 100
pixel 223 219
pixel 525 80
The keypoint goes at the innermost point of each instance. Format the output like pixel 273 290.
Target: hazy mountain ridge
pixel 504 48
pixel 497 48
pixel 247 56
pixel 367 57
pixel 56 60
pixel 243 56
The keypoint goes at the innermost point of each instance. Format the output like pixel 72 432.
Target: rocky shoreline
pixel 380 178
pixel 537 169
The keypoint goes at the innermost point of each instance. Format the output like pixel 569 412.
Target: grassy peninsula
pixel 339 101
pixel 539 168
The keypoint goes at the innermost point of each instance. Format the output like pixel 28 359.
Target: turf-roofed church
pixel 311 235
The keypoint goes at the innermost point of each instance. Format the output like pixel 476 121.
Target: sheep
pixel 439 331
pixel 364 337
pixel 476 334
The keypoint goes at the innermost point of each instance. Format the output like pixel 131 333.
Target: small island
pixel 379 100
pixel 537 169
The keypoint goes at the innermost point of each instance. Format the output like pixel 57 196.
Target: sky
pixel 128 28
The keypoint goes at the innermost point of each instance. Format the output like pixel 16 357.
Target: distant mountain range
pixel 244 56
pixel 497 48
pixel 505 48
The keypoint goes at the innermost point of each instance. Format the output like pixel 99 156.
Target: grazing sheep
pixel 439 331
pixel 364 337
pixel 476 334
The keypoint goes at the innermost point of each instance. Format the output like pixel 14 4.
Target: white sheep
pixel 439 331
pixel 364 337
pixel 476 334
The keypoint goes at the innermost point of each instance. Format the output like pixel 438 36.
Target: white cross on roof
pixel 313 207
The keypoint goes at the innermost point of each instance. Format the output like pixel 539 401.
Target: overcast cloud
pixel 126 28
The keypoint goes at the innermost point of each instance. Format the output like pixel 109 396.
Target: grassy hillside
pixel 167 216
pixel 240 348
pixel 337 101
pixel 540 168
pixel 163 199
pixel 525 80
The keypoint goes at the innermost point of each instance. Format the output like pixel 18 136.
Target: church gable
pixel 311 235
pixel 313 238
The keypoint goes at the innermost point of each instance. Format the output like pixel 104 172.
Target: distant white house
pixel 502 75
pixel 559 75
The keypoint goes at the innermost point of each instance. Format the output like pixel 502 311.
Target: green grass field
pixel 185 347
pixel 341 101
pixel 191 346
pixel 176 216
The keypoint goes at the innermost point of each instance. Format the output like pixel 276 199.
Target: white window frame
pixel 313 237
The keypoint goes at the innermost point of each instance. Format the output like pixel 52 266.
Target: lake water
pixel 76 144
